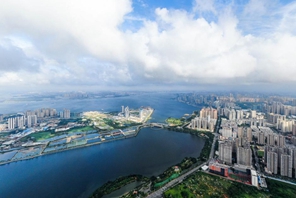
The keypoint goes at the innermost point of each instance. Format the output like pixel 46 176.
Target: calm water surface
pixel 77 173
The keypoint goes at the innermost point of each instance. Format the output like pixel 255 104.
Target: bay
pixel 78 172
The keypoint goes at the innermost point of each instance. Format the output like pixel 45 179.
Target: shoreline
pixel 67 149
pixel 82 146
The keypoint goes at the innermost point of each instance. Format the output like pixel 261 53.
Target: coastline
pixel 84 145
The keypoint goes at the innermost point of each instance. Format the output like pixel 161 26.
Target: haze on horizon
pixel 92 45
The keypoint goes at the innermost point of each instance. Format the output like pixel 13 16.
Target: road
pixel 256 159
pixel 281 180
pixel 159 192
pixel 215 139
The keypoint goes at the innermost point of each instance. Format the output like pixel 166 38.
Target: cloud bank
pixel 55 44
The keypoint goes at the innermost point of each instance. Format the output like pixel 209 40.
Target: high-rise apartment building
pixel 281 142
pixel 261 138
pixel 31 120
pixel 225 152
pixel 240 132
pixel 272 162
pixel 205 112
pixel 11 123
pixel 270 139
pixel 286 165
pixel 127 112
pixel 244 156
pixel 66 113
pixel 294 129
pixel 253 114
pixel 249 134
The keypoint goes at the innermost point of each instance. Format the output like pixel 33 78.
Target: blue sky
pixel 130 45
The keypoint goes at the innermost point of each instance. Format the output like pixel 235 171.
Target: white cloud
pixel 81 43
pixel 204 6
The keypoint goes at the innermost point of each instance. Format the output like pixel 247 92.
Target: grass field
pixel 204 185
pixel 41 135
pixel 174 121
pixel 49 134
pixel 167 180
pixel 280 189
pixel 260 153
pixel 80 129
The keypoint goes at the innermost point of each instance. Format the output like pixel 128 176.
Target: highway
pixel 159 192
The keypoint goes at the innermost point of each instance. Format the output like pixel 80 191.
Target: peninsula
pixel 21 140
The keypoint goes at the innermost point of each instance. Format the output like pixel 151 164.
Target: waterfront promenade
pixel 130 134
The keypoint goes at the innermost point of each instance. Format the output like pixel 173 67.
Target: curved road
pixel 159 192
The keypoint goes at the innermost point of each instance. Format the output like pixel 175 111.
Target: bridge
pixel 154 124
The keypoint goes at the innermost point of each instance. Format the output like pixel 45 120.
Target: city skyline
pixel 128 45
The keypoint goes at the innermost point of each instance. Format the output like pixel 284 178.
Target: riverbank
pixel 112 186
pixel 156 182
pixel 172 172
pixel 131 134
